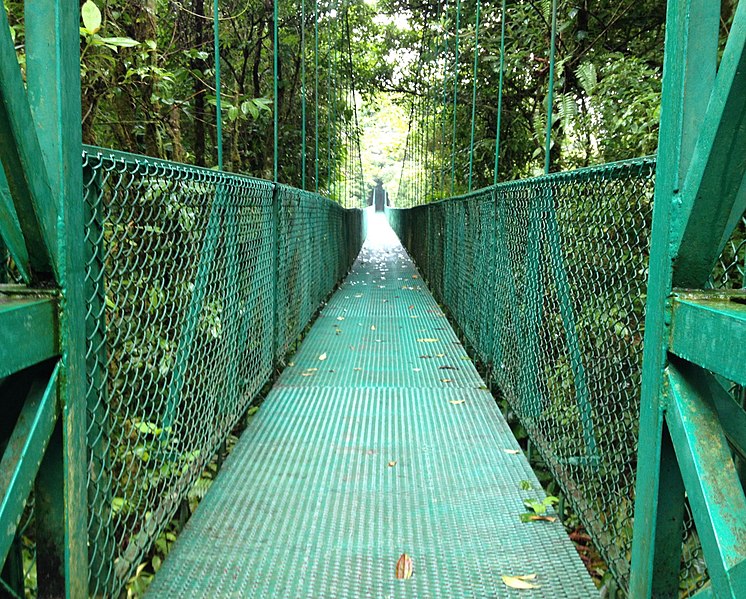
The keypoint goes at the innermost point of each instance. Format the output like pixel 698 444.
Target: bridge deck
pixel 311 504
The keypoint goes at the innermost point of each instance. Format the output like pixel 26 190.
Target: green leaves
pixel 91 17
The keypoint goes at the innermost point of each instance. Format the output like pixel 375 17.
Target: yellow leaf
pixel 392 463
pixel 428 340
pixel 446 380
pixel 455 402
pixel 322 357
pixel 404 568
pixel 536 517
pixel 512 451
pixel 311 369
pixel 340 317
pixel 372 327
pixel 520 582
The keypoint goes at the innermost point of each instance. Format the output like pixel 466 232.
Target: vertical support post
pixel 316 94
pixel 474 96
pixel 275 89
pixel 500 91
pixel 455 98
pixel 688 75
pixel 550 93
pixel 303 94
pixel 53 63
pixel 218 99
pixel 101 528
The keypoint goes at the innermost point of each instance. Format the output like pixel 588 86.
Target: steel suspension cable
pixel 303 92
pixel 218 103
pixel 500 91
pixel 455 98
pixel 550 95
pixel 316 94
pixel 474 95
pixel 275 99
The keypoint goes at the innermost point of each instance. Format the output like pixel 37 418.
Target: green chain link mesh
pixel 546 279
pixel 197 283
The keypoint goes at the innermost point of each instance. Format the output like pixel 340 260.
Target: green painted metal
pixel 178 358
pixel 474 94
pixel 275 90
pixel 23 453
pixel 694 114
pixel 307 504
pixel 11 235
pixel 53 40
pixel 544 278
pixel 550 92
pixel 29 330
pixel 498 132
pixel 713 488
pixel 713 198
pixel 699 325
pixel 316 94
pixel 303 94
pixel 218 87
pixel 26 171
pixel 686 83
pixel 455 95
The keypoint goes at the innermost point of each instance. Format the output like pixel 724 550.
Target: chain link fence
pixel 197 283
pixel 546 278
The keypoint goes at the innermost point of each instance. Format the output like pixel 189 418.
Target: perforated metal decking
pixel 309 505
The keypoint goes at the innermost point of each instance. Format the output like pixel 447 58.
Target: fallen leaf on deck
pixel 392 463
pixel 404 567
pixel 448 367
pixel 512 451
pixel 372 327
pixel 440 355
pixel 357 368
pixel 428 340
pixel 340 317
pixel 415 276
pixel 520 582
pixel 455 402
pixel 528 517
pixel 307 374
pixel 446 380
pixel 417 369
pixel 322 357
pixel 411 307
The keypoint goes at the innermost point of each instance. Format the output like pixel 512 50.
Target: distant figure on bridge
pixel 378 196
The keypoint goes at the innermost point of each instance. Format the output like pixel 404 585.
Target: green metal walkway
pixel 378 439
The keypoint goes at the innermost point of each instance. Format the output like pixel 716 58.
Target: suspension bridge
pixel 148 304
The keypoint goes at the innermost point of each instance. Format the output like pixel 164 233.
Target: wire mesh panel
pixel 546 279
pixel 182 286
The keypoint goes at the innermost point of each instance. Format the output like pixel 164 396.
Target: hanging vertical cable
pixel 500 91
pixel 316 95
pixel 303 93
pixel 455 98
pixel 474 95
pixel 550 95
pixel 275 99
pixel 218 104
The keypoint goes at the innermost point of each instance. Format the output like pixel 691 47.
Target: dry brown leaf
pixel 520 582
pixel 536 517
pixel 456 402
pixel 404 568
pixel 392 463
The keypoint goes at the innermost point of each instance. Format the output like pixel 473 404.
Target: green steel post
pixel 455 98
pixel 303 94
pixel 690 53
pixel 218 99
pixel 474 95
pixel 27 173
pixel 53 62
pixel 500 91
pixel 275 89
pixel 550 94
pixel 316 94
pixel 11 235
